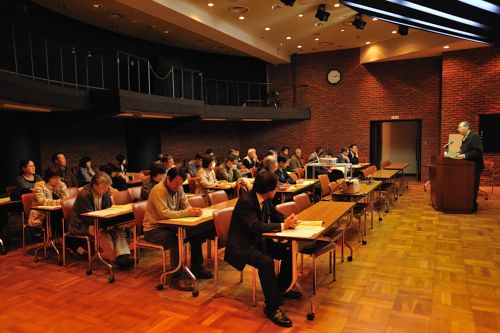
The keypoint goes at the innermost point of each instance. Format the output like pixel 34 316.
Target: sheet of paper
pixel 301 231
pixel 310 223
pixel 115 209
pixel 206 212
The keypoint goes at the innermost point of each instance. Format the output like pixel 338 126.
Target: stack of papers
pixel 301 231
pixel 115 209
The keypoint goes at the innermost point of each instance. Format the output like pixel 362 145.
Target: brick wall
pixel 341 113
pixel 471 86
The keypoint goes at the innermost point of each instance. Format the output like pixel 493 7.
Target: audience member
pixel 296 159
pixel 353 154
pixel 195 165
pixel 68 177
pixel 228 170
pixel 26 180
pixel 85 171
pixel 251 160
pixel 156 175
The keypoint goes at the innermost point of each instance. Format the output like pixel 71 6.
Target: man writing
pixel 255 214
pixel 472 150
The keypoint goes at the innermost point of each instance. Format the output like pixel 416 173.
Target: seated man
pixel 68 177
pixel 353 154
pixel 269 163
pixel 156 174
pixel 168 200
pixel 296 159
pixel 314 157
pixel 344 156
pixel 92 197
pixel 283 175
pixel 228 170
pixel 254 215
pixel 251 160
pixel 195 165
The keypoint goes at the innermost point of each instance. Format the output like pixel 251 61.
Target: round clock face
pixel 333 76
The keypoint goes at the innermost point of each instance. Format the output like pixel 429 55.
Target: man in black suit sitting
pixel 255 214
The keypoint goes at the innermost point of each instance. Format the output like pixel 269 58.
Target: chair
pixel 67 209
pixel 27 200
pixel 325 189
pixel 135 193
pixel 302 201
pixel 385 164
pixel 294 176
pixel 73 192
pixel 121 198
pixel 222 221
pixel 217 197
pixel 10 189
pixel 197 201
pixel 300 172
pixel 314 248
pixel 487 172
pixel 139 209
pixel 193 184
pixel 359 212
pixel 363 159
pixel 253 172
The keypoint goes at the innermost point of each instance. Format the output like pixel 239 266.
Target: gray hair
pixel 465 123
pixel 101 177
pixel 269 161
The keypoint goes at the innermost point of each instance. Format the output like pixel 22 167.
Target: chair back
pixel 294 176
pixel 324 181
pixel 334 186
pixel 363 159
pixel 367 172
pixel 120 198
pixel 217 197
pixel 27 200
pixel 67 208
pixel 253 172
pixel 302 201
pixel 10 189
pixel 488 166
pixel 135 193
pixel 192 182
pixel 385 164
pixel 300 172
pixel 139 209
pixel 73 192
pixel 197 201
pixel 287 208
pixel 222 221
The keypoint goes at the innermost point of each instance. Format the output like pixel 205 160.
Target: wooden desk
pixel 385 174
pixel 401 168
pixel 106 215
pixel 297 188
pixel 360 166
pixel 327 211
pixel 48 239
pixel 189 222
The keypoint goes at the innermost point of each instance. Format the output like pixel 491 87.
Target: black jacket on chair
pixel 247 227
pixel 473 150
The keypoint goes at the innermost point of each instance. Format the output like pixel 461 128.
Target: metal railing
pixel 34 57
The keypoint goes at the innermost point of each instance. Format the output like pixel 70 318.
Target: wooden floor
pixel 421 271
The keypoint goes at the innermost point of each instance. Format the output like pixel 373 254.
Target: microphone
pixel 449 143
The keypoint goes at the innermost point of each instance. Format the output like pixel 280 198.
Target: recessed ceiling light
pixel 116 16
pixel 336 5
pixel 299 46
pixel 267 28
pixel 446 47
pixel 300 15
pixel 238 9
pixel 394 31
pixel 210 4
pixel 374 19
pixel 316 38
pixel 97 6
pixel 288 37
pixel 368 43
pixel 150 27
pixel 241 17
pixel 342 30
pixel 277 6
pixel 165 31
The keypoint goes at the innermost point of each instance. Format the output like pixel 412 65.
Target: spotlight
pixel 288 2
pixel 322 14
pixel 403 30
pixel 358 22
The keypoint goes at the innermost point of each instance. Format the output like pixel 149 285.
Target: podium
pixel 452 184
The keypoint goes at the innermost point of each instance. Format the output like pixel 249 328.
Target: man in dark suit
pixel 472 150
pixel 283 176
pixel 255 214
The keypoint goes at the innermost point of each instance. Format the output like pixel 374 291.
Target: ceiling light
pixel 299 46
pixel 316 39
pixel 288 37
pixel 403 30
pixel 342 30
pixel 446 47
pixel 288 2
pixel 97 6
pixel 368 43
pixel 278 6
pixel 336 5
pixel 165 31
pixel 24 107
pixel 321 13
pixel 116 16
pixel 394 31
pixel 267 28
pixel 374 19
pixel 238 9
pixel 300 15
pixel 150 27
pixel 210 4
pixel 241 17
pixel 358 22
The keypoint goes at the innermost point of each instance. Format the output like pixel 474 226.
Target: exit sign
pixel 394 117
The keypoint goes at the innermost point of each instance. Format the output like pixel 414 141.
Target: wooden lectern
pixel 452 184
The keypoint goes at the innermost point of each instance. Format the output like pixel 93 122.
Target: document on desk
pixel 57 207
pixel 311 223
pixel 205 212
pixel 307 182
pixel 113 210
pixel 301 231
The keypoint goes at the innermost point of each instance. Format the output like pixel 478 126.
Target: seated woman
pixel 206 176
pixel 85 171
pixel 26 180
pixel 47 192
pixel 118 179
pixel 156 175
pixel 97 196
